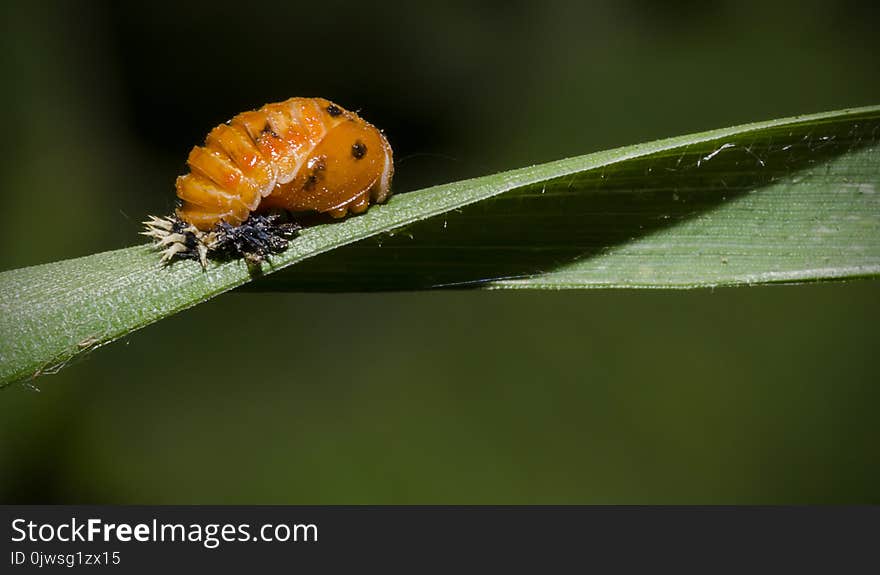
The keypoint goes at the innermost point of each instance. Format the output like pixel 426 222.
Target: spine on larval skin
pixel 245 159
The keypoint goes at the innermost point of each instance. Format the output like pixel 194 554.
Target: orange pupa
pixel 300 155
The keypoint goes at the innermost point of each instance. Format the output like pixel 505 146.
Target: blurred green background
pixel 758 395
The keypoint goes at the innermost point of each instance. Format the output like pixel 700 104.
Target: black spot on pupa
pixel 358 150
pixel 267 129
pixel 317 166
pixel 333 110
pixel 310 182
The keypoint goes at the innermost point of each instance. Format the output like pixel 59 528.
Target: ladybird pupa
pixel 300 155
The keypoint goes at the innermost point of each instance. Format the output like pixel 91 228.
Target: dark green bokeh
pixel 733 396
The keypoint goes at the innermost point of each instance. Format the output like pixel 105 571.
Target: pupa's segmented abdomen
pixel 247 158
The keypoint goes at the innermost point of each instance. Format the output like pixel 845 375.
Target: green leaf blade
pixel 788 200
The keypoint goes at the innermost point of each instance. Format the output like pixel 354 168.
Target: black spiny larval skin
pixel 256 238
